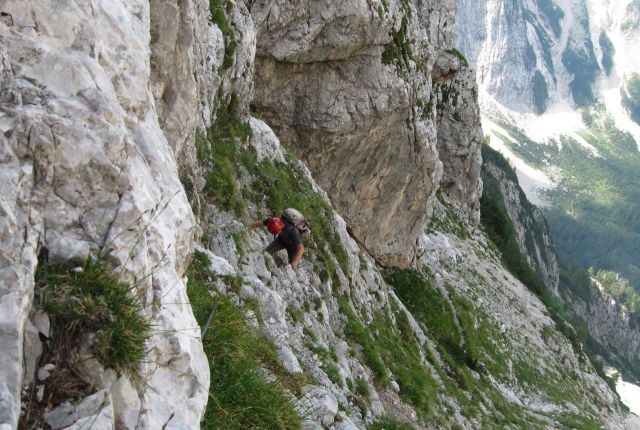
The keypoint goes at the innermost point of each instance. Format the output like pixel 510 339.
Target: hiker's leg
pixel 291 253
pixel 273 249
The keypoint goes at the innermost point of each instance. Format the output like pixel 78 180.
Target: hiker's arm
pixel 256 224
pixel 298 256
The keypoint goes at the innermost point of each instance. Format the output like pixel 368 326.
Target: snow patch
pixel 560 119
pixel 629 393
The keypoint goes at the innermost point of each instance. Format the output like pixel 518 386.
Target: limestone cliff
pixel 127 135
pixel 87 169
pixel 532 233
pixel 349 87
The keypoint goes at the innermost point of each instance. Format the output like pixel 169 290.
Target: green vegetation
pixel 448 94
pixel 383 347
pixel 398 52
pixel 227 157
pixel 362 388
pixel 88 307
pixel 218 153
pixel 459 55
pixel 500 229
pixel 540 92
pixel 334 374
pixel 390 423
pixel 241 395
pixel 559 386
pixel 451 223
pixel 92 300
pixel 622 290
pixel 470 346
pixel 595 219
pixel 573 281
pixel 608 51
pixel 595 213
pixel 574 421
pixel 630 92
pixel 219 11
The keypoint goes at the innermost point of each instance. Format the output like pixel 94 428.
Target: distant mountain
pixel 559 96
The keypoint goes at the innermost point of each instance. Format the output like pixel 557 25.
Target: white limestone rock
pixel 218 265
pixel 459 136
pixel 126 404
pixel 265 142
pixel 95 411
pixel 45 371
pixel 273 309
pixel 32 352
pixel 322 402
pixel 345 424
pixel 322 85
pixel 85 155
pixel 42 323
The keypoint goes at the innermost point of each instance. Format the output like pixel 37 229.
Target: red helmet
pixel 275 225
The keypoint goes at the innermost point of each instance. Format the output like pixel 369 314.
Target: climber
pixel 288 230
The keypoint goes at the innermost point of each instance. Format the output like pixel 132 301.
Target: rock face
pixel 87 169
pixel 348 86
pixel 609 324
pixel 459 135
pixel 532 232
pixel 101 106
pixel 531 53
pixel 522 335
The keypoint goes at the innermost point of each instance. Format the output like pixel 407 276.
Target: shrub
pixel 362 388
pixel 460 55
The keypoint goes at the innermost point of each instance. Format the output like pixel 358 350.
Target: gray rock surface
pixel 532 234
pixel 95 411
pixel 323 86
pixel 459 135
pixel 86 168
pixel 467 266
pixel 98 108
pixel 525 52
pixel 323 404
pixel 608 322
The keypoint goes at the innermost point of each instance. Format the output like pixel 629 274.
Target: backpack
pixel 275 225
pixel 294 218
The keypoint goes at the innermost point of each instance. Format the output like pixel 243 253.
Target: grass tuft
pixel 92 300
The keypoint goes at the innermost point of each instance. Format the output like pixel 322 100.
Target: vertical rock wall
pixel 87 169
pixel 532 233
pixel 459 135
pixel 348 86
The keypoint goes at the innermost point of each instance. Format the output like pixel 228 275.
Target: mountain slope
pixel 147 141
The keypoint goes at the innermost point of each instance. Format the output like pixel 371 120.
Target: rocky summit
pixel 141 138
